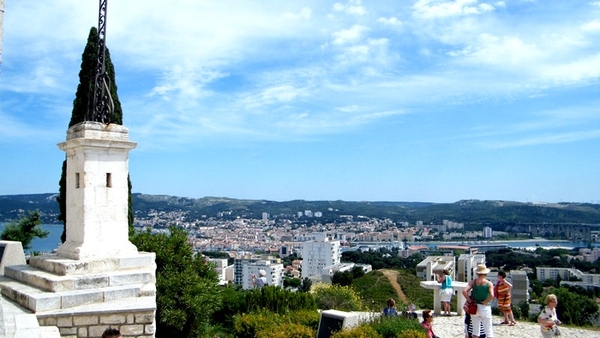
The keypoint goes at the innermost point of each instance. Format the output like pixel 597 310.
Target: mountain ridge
pixel 468 211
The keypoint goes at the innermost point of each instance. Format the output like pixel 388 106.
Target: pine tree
pixel 81 104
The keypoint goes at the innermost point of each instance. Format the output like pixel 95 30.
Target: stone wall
pixel 131 324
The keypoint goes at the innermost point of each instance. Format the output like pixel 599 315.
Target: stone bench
pixel 456 286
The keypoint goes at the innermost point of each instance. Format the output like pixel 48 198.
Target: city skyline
pixel 433 101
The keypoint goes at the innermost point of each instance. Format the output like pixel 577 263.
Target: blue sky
pixel 432 101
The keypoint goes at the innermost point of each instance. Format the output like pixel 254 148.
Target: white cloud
pixel 391 21
pixel 354 7
pixel 345 36
pixel 429 9
pixel 591 26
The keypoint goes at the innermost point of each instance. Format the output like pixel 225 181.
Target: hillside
pixel 467 211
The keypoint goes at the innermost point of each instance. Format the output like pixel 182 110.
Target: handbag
pixel 470 306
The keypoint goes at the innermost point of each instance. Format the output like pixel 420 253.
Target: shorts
pixel 446 294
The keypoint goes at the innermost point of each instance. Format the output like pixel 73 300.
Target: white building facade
pixel 318 254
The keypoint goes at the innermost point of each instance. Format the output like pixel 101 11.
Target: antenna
pixel 103 105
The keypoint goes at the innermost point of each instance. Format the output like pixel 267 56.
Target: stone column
pixel 97 191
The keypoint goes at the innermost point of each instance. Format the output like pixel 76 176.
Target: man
pixel 112 333
pixel 261 280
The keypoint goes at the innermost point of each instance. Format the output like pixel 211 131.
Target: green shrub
pixel 260 323
pixel 309 318
pixel 362 331
pixel 337 297
pixel 412 333
pixel 278 300
pixel 247 325
pixel 391 327
pixel 287 330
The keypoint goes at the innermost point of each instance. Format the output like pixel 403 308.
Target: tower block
pixel 97 191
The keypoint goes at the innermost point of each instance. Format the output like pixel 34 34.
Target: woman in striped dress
pixel 502 292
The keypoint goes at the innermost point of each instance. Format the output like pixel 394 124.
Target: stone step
pixel 37 300
pixel 65 266
pixel 47 281
pixel 18 322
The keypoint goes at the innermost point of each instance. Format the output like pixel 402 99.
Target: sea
pixel 52 242
pixel 47 244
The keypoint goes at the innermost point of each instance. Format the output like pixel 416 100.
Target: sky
pixel 428 100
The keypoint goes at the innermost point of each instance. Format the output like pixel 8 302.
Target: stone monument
pixel 97 278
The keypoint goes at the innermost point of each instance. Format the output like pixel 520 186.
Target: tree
pixel 187 289
pixel 25 230
pixel 81 105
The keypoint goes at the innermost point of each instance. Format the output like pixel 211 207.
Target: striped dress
pixel 503 297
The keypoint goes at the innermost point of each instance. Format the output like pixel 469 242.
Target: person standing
pixel 548 319
pixel 482 290
pixel 445 291
pixel 261 280
pixel 502 292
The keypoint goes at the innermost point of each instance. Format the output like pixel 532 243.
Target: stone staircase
pixel 55 288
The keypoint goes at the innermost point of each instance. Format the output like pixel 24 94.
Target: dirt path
pixel 393 277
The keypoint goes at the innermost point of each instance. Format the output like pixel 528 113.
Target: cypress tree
pixel 81 104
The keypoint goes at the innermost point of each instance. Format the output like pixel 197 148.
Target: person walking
pixel 482 290
pixel 548 319
pixel 502 292
pixel 445 291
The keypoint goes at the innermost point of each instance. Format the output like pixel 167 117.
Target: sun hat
pixel 262 272
pixel 482 269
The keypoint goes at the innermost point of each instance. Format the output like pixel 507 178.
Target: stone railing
pixel 456 286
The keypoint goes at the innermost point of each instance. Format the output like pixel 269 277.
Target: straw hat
pixel 482 269
pixel 262 272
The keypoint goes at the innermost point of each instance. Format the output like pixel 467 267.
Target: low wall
pixel 131 324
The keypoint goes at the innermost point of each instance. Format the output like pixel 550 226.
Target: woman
pixel 390 310
pixel 482 290
pixel 427 324
pixel 503 289
pixel 445 291
pixel 548 319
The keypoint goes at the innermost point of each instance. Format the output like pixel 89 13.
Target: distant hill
pixel 468 211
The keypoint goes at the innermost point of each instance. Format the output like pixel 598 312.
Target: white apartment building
pixel 432 265
pixel 274 273
pixel 239 269
pixel 590 255
pixel 221 269
pixel 487 232
pixel 319 253
pixel 466 264
pixel 520 282
pixel 566 274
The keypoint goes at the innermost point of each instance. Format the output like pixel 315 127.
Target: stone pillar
pixel 97 191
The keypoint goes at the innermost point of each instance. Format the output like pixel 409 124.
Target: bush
pixel 262 323
pixel 309 318
pixel 412 333
pixel 337 297
pixel 287 330
pixel 278 300
pixel 362 331
pixel 247 325
pixel 187 290
pixel 392 327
